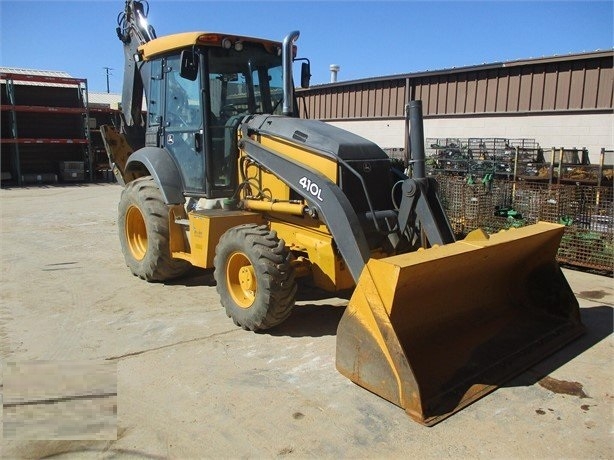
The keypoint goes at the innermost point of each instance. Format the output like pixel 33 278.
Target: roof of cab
pixel 186 39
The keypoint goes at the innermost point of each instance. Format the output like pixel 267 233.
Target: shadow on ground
pixel 599 323
pixel 310 321
pixel 195 277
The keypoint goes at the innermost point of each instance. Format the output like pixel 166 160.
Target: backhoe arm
pixel 133 31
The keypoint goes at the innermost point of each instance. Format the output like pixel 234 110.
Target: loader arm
pixel 420 206
pixel 420 201
pixel 420 210
pixel 334 207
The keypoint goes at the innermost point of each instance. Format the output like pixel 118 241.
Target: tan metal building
pixel 561 101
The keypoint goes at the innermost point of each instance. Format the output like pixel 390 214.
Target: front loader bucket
pixel 436 329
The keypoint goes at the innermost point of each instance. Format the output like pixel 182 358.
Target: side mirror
pixel 305 74
pixel 189 65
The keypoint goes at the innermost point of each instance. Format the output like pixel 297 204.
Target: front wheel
pixel 144 232
pixel 255 280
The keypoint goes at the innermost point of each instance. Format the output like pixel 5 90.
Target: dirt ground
pixel 190 384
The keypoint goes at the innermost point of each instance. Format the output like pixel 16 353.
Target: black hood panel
pixel 319 136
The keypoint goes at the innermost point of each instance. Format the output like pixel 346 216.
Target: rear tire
pixel 255 280
pixel 144 232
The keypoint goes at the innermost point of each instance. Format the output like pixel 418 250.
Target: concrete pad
pixel 192 385
pixel 60 400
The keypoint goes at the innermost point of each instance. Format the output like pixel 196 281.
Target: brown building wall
pixel 581 82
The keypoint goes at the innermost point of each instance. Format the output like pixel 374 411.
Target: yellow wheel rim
pixel 241 280
pixel 136 233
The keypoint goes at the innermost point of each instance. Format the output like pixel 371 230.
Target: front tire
pixel 144 232
pixel 255 280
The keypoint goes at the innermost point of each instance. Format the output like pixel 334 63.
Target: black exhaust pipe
pixel 416 139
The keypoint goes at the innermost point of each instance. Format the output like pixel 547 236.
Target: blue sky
pixel 366 38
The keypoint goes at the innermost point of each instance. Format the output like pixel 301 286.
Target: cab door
pixel 182 127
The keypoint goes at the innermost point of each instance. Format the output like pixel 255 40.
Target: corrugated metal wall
pixel 583 82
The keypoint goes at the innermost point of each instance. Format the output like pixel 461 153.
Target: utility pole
pixel 107 69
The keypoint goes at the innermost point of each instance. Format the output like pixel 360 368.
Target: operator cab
pixel 198 94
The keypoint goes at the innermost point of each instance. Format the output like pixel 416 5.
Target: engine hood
pixel 317 135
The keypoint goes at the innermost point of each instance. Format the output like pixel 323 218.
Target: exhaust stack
pixel 334 70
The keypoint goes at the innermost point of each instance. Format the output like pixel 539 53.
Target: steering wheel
pixel 229 110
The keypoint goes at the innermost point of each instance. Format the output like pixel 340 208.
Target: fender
pixel 162 168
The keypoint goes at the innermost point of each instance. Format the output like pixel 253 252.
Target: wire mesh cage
pixel 497 183
pixel 586 248
pixel 586 211
pixel 449 155
pixel 479 156
pixel 487 148
pixel 529 144
pixel 451 196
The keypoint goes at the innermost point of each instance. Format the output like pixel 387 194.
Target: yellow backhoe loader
pixel 221 173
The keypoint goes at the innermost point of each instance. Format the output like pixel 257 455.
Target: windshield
pixel 244 82
pixel 240 83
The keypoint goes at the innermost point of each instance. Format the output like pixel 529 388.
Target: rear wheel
pixel 254 277
pixel 144 232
